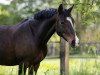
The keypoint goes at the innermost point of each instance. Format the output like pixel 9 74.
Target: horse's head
pixel 65 26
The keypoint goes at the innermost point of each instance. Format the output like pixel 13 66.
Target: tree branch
pixel 92 2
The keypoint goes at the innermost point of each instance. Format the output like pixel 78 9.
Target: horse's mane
pixel 45 14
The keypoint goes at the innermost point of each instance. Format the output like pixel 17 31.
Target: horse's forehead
pixel 70 20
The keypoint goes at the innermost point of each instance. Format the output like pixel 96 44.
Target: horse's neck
pixel 49 34
pixel 46 30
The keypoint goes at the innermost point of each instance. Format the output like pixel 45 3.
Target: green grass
pixel 84 67
pixel 49 67
pixel 52 67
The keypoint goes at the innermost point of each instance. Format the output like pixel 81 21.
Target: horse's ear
pixel 70 9
pixel 60 9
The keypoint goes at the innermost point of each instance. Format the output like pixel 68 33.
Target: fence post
pixel 64 60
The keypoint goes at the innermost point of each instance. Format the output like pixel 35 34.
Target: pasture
pixel 77 66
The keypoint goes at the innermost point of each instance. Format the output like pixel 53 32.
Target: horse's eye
pixel 62 22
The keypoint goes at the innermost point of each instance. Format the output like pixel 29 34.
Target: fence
pixel 92 48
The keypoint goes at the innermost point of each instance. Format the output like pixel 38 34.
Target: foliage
pixel 7 17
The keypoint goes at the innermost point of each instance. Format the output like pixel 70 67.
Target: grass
pixel 49 67
pixel 84 67
pixel 52 67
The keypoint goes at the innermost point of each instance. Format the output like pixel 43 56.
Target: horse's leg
pixel 33 68
pixel 36 68
pixel 25 68
pixel 20 69
pixel 30 70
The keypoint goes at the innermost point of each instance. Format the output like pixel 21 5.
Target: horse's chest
pixel 40 55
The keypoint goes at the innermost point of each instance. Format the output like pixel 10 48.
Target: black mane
pixel 45 14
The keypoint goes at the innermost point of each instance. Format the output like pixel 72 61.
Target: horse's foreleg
pixel 20 69
pixel 33 68
pixel 36 67
pixel 30 70
pixel 25 68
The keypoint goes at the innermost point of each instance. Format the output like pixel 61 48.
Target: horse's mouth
pixel 71 41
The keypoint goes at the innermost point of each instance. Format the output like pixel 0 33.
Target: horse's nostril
pixel 62 22
pixel 73 43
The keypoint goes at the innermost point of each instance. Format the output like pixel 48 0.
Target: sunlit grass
pixel 49 67
pixel 84 67
pixel 52 67
pixel 8 70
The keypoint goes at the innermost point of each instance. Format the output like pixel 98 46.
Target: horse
pixel 25 44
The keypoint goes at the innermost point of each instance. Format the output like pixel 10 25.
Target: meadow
pixel 77 66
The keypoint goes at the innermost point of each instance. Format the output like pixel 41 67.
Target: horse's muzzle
pixel 74 44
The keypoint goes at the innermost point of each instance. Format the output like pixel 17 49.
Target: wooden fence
pixel 86 47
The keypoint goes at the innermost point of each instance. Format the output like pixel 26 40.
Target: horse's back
pixel 6 48
pixel 5 35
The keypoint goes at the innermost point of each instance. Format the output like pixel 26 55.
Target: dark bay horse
pixel 25 44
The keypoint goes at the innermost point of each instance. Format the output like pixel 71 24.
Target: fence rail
pixel 89 48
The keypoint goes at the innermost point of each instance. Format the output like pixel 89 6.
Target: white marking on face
pixel 76 40
pixel 70 20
